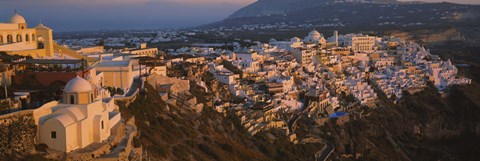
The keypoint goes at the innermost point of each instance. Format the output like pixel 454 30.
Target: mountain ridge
pixel 270 7
pixel 347 16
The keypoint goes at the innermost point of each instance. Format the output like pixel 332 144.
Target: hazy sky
pixel 75 15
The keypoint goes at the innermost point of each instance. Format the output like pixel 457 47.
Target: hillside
pixel 287 14
pixel 272 7
pixel 171 132
pixel 423 126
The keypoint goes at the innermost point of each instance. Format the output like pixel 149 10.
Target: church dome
pixel 78 84
pixel 314 34
pixel 16 18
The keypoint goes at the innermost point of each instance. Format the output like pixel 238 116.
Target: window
pixel 53 135
pixel 9 38
pixel 72 99
pixel 102 125
pixel 33 37
pixel 1 39
pixel 27 38
pixel 91 97
pixel 19 38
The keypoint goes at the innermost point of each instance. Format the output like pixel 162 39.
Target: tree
pixel 101 42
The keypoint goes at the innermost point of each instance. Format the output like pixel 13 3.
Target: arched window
pixel 33 37
pixel 9 38
pixel 72 99
pixel 91 97
pixel 27 38
pixel 1 39
pixel 19 38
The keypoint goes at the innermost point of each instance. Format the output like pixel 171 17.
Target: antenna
pixel 15 11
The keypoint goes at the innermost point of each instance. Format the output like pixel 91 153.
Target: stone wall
pixel 17 133
pixel 119 146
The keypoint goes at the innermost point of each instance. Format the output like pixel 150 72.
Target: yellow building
pixel 79 120
pixel 118 74
pixel 17 38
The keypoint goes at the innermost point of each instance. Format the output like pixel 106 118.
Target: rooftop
pixel 113 64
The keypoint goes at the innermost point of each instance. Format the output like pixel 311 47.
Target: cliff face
pixel 18 133
pixel 423 126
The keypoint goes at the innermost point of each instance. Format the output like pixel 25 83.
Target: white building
pixel 358 43
pixel 316 38
pixel 118 74
pixel 224 75
pixel 304 56
pixel 248 62
pixel 79 120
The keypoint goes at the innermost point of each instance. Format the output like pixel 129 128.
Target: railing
pixel 127 99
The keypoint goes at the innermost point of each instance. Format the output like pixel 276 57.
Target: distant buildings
pixel 142 50
pixel 250 62
pixel 304 56
pixel 90 50
pixel 358 42
pixel 321 78
pixel 316 38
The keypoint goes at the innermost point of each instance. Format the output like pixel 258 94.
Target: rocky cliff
pixel 170 132
pixel 423 126
pixel 17 133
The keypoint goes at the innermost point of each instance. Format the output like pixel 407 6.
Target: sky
pixel 85 15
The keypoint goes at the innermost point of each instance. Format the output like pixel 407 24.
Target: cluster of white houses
pixel 277 77
pixel 323 70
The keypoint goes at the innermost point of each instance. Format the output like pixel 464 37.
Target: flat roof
pixel 50 61
pixel 113 64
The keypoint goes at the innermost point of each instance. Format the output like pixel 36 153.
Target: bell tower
pixel 45 36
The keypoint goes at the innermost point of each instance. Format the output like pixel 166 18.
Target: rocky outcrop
pixel 171 85
pixel 220 90
pixel 17 133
